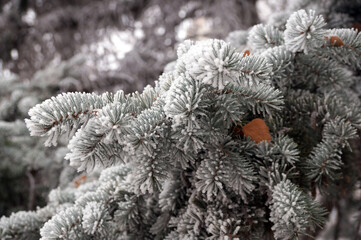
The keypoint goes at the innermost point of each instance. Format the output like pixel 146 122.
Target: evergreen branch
pixel 209 175
pixel 349 49
pixel 137 102
pixel 164 82
pixel 281 61
pixel 98 143
pixel 129 213
pixel 148 128
pixel 229 111
pixel 89 151
pixel 64 113
pixel 259 98
pixel 282 150
pixel 340 129
pixel 325 159
pixel 21 225
pixel 240 176
pixel 254 68
pixel 324 75
pixel 264 36
pixel 223 167
pixel 150 171
pixel 185 101
pixel 64 225
pixel 172 195
pixel 95 218
pixel 186 105
pixel 212 62
pixel 189 223
pixel 304 31
pixel 293 211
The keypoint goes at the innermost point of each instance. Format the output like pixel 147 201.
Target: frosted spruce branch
pixel 293 211
pixel 325 160
pixel 304 31
pixel 64 113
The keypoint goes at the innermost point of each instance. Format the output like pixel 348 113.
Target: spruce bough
pixel 176 162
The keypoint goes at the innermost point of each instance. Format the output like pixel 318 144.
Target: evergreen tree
pixel 230 143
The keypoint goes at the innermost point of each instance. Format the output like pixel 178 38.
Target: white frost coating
pixel 184 47
pixel 262 37
pixel 20 221
pixel 95 217
pixel 60 114
pixel 304 31
pixel 61 225
pixel 93 145
pixel 288 210
pixel 213 62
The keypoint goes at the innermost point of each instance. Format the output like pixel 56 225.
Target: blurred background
pixel 116 43
pixel 53 46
